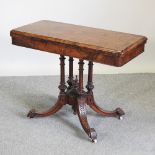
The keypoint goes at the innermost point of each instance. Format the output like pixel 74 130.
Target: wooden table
pixel 84 43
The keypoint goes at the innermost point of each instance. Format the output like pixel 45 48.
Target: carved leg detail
pixel 118 112
pixel 75 96
pixel 81 111
pixel 59 104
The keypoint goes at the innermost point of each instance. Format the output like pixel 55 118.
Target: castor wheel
pixel 93 135
pixel 31 113
pixel 121 118
pixel 94 140
pixel 119 113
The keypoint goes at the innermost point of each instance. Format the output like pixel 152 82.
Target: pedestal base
pixel 78 99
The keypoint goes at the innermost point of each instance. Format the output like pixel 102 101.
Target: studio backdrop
pixel 132 16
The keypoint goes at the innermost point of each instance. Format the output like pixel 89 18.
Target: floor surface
pixel 62 133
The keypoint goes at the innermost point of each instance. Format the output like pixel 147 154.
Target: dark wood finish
pixel 81 63
pixel 118 112
pixel 62 85
pixel 77 98
pixel 97 45
pixel 70 78
pixel 61 98
pixel 90 85
pixel 81 110
pixel 59 104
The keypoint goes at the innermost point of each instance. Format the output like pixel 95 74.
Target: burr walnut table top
pixel 98 45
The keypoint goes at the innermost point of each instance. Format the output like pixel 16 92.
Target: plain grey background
pixel 132 16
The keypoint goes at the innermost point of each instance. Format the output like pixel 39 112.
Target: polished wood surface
pixel 85 43
pixel 98 45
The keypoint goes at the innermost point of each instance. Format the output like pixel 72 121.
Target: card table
pixel 85 43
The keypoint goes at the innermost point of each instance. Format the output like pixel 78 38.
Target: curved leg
pixel 118 112
pixel 90 99
pixel 59 104
pixel 81 111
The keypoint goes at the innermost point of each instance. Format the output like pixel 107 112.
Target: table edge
pixel 118 58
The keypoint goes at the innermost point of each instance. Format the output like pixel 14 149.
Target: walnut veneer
pixel 95 45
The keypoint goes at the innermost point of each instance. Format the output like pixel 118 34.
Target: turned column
pixel 70 78
pixel 90 85
pixel 81 63
pixel 62 85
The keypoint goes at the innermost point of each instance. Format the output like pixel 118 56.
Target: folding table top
pixel 98 45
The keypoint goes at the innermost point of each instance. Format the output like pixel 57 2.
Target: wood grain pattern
pixel 75 95
pixel 98 45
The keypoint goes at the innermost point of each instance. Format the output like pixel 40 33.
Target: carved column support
pixel 62 85
pixel 90 85
pixel 77 97
pixel 70 78
pixel 81 63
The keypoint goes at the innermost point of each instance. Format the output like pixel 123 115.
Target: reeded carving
pixel 81 110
